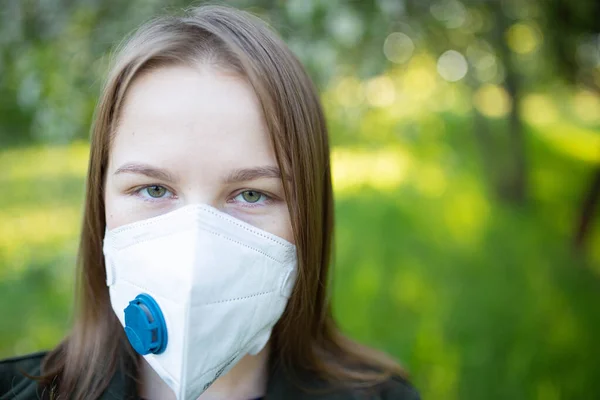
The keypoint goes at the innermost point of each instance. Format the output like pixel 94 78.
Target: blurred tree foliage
pixel 466 160
pixel 331 37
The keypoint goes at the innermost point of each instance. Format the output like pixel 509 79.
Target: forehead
pixel 192 118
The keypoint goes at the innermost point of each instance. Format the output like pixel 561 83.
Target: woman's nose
pixel 203 195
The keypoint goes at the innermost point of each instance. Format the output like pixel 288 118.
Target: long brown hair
pixel 305 338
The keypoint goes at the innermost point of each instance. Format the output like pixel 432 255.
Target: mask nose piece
pixel 145 325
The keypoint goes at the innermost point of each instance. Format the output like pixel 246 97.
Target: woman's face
pixel 189 136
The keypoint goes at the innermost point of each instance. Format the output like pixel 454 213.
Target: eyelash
pixel 138 192
pixel 267 199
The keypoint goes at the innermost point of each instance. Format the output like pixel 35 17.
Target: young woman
pixel 203 262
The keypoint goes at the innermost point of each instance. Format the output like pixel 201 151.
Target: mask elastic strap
pixel 110 272
pixel 287 284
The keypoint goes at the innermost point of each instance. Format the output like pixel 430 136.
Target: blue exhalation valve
pixel 145 325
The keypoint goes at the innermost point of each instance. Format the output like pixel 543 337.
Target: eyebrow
pixel 250 174
pixel 235 176
pixel 147 170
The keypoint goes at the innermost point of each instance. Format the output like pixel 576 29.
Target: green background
pixel 460 178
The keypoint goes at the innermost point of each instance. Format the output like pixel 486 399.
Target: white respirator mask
pixel 196 290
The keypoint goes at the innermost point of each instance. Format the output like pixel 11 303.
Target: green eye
pixel 251 196
pixel 156 191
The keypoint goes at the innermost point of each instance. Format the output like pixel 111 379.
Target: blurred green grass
pixel 478 299
pixel 481 300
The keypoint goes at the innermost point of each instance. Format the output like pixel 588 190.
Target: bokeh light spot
pixel 419 80
pixel 346 27
pixel 493 101
pixel 475 21
pixel 486 65
pixel 398 47
pixel 452 66
pixel 523 38
pixel 538 109
pixel 451 12
pixel 349 92
pixel 381 91
pixel 586 106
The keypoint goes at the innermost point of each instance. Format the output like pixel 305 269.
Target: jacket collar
pixel 123 385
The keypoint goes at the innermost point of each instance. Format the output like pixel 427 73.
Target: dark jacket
pixel 14 385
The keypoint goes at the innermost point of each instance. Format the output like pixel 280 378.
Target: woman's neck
pixel 246 380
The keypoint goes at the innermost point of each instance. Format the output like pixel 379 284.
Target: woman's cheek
pixel 123 209
pixel 274 218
